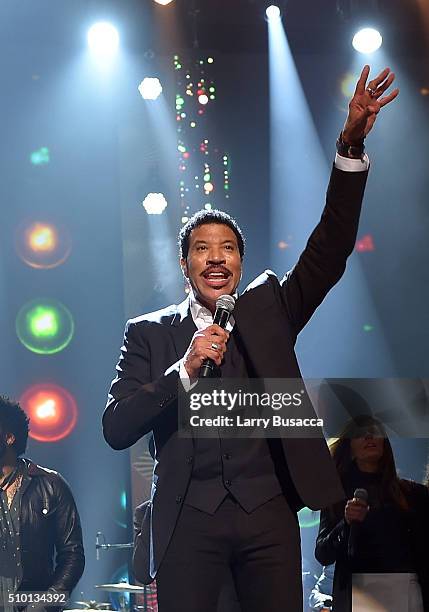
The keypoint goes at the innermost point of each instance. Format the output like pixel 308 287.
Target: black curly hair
pixel 13 420
pixel 203 217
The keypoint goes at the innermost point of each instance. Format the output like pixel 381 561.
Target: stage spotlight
pixel 103 39
pixel 154 203
pixel 272 12
pixel 44 326
pixel 367 40
pixel 42 245
pixel 52 411
pixel 163 2
pixel 150 88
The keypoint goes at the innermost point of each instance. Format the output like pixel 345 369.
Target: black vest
pixel 246 469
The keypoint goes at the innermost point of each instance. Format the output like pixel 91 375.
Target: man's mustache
pixel 217 269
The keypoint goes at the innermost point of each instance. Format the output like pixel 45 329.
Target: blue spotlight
pixel 103 39
pixel 272 12
pixel 367 40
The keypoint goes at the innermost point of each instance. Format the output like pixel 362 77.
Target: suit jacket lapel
pixel 182 328
pixel 262 328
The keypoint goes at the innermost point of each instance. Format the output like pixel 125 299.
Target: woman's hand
pixel 355 510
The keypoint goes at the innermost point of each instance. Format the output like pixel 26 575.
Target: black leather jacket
pixel 332 544
pixel 49 523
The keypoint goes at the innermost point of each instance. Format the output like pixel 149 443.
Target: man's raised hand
pixel 366 103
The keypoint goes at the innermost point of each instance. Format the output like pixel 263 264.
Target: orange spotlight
pixel 42 244
pixel 52 412
pixel 42 237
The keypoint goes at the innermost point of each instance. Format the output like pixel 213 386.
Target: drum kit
pixel 144 596
pixel 130 596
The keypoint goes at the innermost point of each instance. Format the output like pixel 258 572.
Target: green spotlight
pixel 43 322
pixel 44 326
pixel 40 157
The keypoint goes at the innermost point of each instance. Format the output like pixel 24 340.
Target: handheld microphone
pixel 362 495
pixel 224 307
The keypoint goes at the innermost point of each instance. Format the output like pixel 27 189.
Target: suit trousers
pixel 260 550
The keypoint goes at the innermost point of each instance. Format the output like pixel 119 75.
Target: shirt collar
pixel 198 311
pixel 202 313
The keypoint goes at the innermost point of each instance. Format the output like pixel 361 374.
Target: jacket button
pixel 189 459
pixel 227 456
pixel 178 499
pixel 228 483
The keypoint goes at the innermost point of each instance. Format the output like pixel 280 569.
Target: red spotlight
pixel 52 411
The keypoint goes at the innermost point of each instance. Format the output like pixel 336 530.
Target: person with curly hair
pixel 38 520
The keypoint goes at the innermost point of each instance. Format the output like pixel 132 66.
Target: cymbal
pixel 121 587
pixel 92 605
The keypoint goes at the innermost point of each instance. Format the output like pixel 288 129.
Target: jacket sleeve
pixel 323 261
pixel 135 401
pixel 331 543
pixel 70 559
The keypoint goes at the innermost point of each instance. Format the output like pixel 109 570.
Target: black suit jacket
pixel 143 396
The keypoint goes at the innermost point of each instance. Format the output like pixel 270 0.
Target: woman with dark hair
pixel 378 538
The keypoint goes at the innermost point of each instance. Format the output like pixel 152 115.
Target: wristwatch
pixel 352 151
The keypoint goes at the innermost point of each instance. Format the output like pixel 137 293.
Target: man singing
pixel 222 507
pixel 38 519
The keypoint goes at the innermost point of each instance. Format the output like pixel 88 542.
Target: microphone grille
pixel 361 494
pixel 227 302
